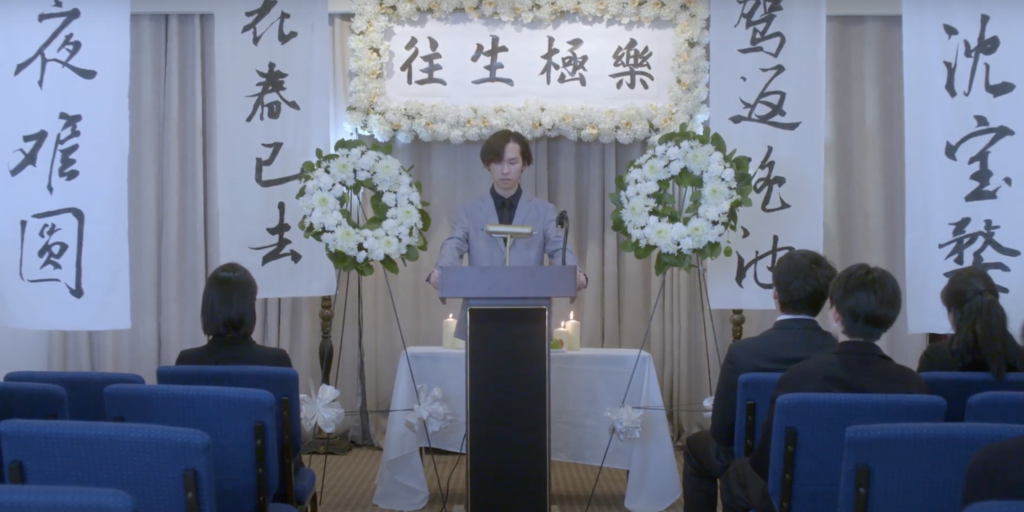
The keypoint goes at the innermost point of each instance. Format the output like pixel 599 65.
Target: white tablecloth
pixel 584 385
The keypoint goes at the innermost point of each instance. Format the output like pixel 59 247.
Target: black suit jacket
pixel 221 350
pixel 854 367
pixel 996 472
pixel 788 342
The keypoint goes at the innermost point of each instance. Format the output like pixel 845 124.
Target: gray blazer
pixel 468 236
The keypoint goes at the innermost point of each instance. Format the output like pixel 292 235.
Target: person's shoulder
pixel 191 355
pixel 1010 451
pixel 273 356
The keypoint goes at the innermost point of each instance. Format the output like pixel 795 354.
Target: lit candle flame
pixel 449 315
pixel 570 315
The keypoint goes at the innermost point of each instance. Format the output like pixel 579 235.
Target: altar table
pixel 584 385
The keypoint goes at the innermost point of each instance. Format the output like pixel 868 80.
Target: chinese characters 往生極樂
pixel 572 64
pixel 431 59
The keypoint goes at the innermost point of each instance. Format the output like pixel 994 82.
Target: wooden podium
pixel 508 446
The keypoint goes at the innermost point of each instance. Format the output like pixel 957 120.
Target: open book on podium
pixel 508 446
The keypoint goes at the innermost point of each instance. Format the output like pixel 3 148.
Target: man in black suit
pixel 229 319
pixel 996 473
pixel 800 280
pixel 865 303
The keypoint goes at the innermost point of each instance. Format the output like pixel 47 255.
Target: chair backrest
pixel 912 466
pixel 240 422
pixel 283 383
pixel 45 498
pixel 166 469
pixel 958 387
pixel 808 430
pixel 996 506
pixel 996 407
pixel 753 395
pixel 84 389
pixel 32 401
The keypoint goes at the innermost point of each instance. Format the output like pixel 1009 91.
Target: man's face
pixel 505 173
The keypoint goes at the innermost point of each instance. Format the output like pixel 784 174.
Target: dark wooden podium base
pixel 507 409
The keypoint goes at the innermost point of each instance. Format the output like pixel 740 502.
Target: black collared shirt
pixel 506 207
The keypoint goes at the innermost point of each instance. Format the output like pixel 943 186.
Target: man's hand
pixel 581 280
pixel 435 276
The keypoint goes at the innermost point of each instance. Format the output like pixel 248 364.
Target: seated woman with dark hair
pixel 981 341
pixel 229 318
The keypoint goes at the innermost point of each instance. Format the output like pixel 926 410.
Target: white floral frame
pixel 370 112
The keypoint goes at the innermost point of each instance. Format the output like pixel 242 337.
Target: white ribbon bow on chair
pixel 321 409
pixel 625 422
pixel 430 410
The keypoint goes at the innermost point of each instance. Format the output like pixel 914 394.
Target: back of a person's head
pixel 867 299
pixel 801 279
pixel 980 330
pixel 229 302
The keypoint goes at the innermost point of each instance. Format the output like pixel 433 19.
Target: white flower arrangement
pixel 331 196
pixel 712 185
pixel 372 113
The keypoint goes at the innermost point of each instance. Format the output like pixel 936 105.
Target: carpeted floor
pixel 350 483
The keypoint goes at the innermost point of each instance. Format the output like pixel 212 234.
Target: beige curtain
pixel 173 205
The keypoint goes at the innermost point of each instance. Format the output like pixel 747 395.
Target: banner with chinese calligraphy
pixel 64 182
pixel 272 89
pixel 609 71
pixel 769 103
pixel 961 69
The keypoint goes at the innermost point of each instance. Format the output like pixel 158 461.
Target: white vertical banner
pixel 64 176
pixel 273 112
pixel 768 103
pixel 961 72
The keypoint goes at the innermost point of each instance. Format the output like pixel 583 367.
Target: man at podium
pixel 504 154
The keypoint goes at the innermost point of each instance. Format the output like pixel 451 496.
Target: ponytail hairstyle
pixel 980 333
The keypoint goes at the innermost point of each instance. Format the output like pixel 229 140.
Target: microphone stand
pixel 565 236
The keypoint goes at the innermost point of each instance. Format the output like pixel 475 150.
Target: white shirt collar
pixel 795 317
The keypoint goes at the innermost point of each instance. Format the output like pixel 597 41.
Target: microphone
pixel 562 221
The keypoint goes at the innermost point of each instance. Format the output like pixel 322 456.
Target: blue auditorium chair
pixel 900 467
pixel 84 389
pixel 958 387
pixel 996 506
pixel 753 395
pixel 45 498
pixel 166 469
pixel 298 483
pixel 808 431
pixel 240 422
pixel 996 407
pixel 32 401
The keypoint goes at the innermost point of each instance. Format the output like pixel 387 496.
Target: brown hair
pixel 493 149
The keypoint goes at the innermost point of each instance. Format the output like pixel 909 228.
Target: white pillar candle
pixel 448 333
pixel 573 326
pixel 459 344
pixel 562 335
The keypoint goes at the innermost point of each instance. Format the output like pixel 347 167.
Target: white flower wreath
pixel 372 113
pixel 330 197
pixel 711 187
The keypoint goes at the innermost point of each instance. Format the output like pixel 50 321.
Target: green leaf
pixel 731 154
pixel 718 143
pixel 627 245
pixel 727 251
pixel 660 265
pixel 714 250
pixel 367 183
pixel 302 192
pixel 308 166
pixel 373 223
pixel 389 264
pixel 377 205
pixel 684 262
pixel 319 154
pixel 426 220
pixel 616 199
pixel 620 182
pixel 418 186
pixel 644 252
pixel 747 202
pixel 421 241
pixel 411 254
